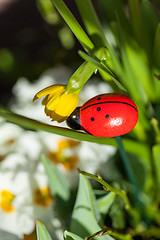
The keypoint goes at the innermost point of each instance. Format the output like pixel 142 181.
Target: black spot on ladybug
pixel 98 109
pixel 92 118
pixel 99 98
pixel 107 116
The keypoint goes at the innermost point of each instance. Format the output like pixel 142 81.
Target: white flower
pixel 24 92
pixel 9 136
pixel 21 171
pixel 26 187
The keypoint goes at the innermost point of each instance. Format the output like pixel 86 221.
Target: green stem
pixel 120 193
pixel 108 187
pixel 137 148
pixel 133 180
pixel 127 166
pixel 91 22
pixel 73 24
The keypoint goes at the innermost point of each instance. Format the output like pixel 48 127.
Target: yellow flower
pixel 43 197
pixel 6 201
pixel 58 157
pixel 58 104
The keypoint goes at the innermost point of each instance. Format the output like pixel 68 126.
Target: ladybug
pixel 106 115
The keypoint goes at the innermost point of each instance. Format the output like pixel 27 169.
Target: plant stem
pixel 131 146
pixel 127 166
pixel 73 24
pixel 133 180
pixel 108 187
pixel 120 193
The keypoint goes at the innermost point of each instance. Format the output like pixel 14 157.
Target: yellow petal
pixel 47 112
pixel 57 117
pixel 67 104
pixel 54 100
pixel 45 100
pixel 48 90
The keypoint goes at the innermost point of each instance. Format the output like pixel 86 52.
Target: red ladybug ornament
pixel 106 115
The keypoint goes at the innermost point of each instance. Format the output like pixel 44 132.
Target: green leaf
pixel 80 77
pixel 101 67
pixel 58 185
pixel 91 22
pixel 117 215
pixel 156 159
pixel 84 221
pixel 57 182
pixel 69 236
pixel 105 202
pixel 73 24
pixel 42 233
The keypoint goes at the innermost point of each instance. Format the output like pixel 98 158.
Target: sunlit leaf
pixel 80 77
pixel 69 236
pixel 42 233
pixel 58 185
pixel 84 221
pixel 105 202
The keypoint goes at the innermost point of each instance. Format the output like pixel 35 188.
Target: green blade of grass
pixel 138 148
pixel 73 24
pixel 91 22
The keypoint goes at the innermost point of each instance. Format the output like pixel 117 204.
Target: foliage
pixel 126 53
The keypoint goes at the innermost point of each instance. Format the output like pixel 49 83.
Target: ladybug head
pixel 73 121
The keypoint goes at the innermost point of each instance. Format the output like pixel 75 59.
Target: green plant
pixel 129 62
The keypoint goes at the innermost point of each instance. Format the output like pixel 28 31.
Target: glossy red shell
pixel 109 115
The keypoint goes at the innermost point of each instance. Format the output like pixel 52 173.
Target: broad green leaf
pixel 84 220
pixel 69 236
pixel 57 182
pixel 105 202
pixel 58 185
pixel 42 233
